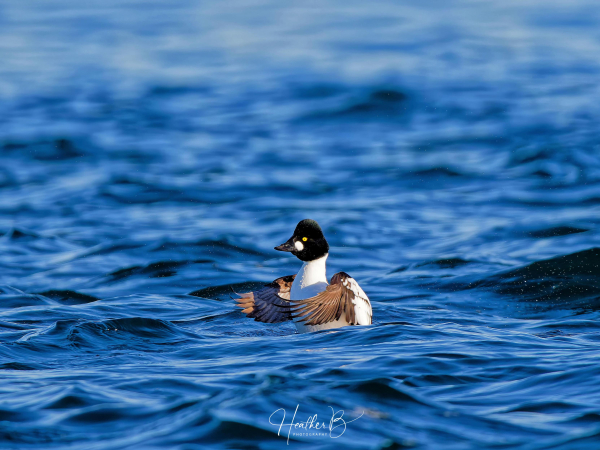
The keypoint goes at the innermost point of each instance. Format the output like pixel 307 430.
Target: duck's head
pixel 308 242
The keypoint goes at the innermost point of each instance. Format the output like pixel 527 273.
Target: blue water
pixel 153 150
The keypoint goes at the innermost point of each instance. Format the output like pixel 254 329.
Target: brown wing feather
pixel 327 306
pixel 268 304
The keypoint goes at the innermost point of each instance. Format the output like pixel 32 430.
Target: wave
pixel 59 149
pixel 135 333
pixel 67 297
pixel 445 263
pixel 560 279
pixel 14 298
pixel 214 247
pixel 386 104
pixel 555 232
pixel 226 290
pixel 385 389
pixel 159 269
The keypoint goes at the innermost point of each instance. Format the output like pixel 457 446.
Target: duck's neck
pixel 313 271
pixel 311 275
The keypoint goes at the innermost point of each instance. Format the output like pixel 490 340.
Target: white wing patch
pixel 362 306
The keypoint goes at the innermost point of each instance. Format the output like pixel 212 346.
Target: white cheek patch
pixel 299 246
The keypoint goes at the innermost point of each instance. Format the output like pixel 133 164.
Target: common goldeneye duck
pixel 306 298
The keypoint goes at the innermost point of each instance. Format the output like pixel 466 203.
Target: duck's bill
pixel 287 247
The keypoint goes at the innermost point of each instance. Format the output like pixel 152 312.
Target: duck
pixel 307 299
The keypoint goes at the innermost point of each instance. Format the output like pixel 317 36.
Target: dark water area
pixel 153 150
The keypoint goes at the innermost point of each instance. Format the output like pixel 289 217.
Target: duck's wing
pixel 342 298
pixel 269 304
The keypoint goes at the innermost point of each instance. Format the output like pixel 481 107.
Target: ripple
pixel 560 279
pixel 69 297
pixel 134 333
pixel 556 231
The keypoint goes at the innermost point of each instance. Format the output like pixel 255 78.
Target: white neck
pixel 311 277
pixel 313 271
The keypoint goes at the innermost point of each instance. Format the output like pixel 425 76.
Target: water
pixel 150 150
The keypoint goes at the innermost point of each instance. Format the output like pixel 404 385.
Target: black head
pixel 308 242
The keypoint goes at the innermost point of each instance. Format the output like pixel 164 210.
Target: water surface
pixel 153 150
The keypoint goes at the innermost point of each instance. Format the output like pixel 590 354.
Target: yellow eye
pixel 305 239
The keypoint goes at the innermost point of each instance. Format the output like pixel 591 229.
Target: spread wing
pixel 268 304
pixel 342 298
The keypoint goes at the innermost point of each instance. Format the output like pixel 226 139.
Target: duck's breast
pixel 341 322
pixel 299 292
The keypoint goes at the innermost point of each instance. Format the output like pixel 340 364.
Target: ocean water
pixel 152 154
